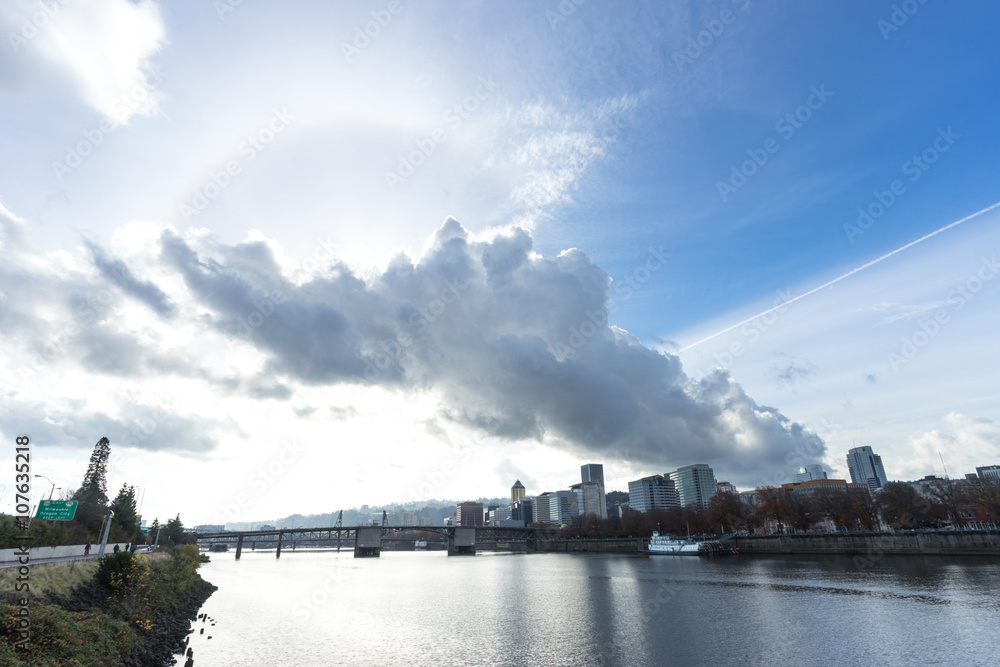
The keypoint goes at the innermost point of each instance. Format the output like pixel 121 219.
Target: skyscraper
pixel 592 472
pixel 695 485
pixel 653 492
pixel 516 492
pixel 989 472
pixel 810 472
pixel 469 514
pixel 591 499
pixel 866 467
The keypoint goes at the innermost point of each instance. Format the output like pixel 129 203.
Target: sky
pixel 296 257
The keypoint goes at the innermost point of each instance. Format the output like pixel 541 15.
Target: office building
pixel 695 485
pixel 563 507
pixel 516 492
pixel 499 514
pixel 810 472
pixel 653 492
pixel 813 487
pixel 524 510
pixel 469 514
pixel 541 507
pixel 725 487
pixel 989 473
pixel 590 499
pixel 592 472
pixel 866 468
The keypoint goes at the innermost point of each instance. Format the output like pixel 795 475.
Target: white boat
pixel 420 544
pixel 662 544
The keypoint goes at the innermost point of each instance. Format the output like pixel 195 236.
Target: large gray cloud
pixel 514 343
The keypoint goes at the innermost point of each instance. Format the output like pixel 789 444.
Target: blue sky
pixel 270 142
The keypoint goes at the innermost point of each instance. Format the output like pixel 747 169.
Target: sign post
pixel 57 510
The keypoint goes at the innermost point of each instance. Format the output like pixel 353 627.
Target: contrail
pixel 846 275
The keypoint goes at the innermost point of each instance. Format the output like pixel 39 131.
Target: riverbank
pixel 125 611
pixel 943 542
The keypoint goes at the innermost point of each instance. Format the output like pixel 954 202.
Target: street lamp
pixel 50 482
pixel 50 495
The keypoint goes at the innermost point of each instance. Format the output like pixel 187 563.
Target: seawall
pixel 616 545
pixel 985 543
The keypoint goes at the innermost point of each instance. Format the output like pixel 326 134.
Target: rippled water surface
pixel 598 609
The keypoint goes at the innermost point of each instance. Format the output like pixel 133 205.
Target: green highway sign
pixel 56 510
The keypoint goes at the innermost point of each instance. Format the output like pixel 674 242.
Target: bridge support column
pixel 278 554
pixel 462 542
pixel 239 546
pixel 367 542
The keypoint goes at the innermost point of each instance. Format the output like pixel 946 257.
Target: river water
pixel 424 608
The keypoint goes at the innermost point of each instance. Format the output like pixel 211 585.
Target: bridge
pixel 366 541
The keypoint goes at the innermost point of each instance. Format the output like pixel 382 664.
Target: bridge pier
pixel 367 542
pixel 278 554
pixel 462 542
pixel 239 546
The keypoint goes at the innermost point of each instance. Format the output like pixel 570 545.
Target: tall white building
pixel 695 485
pixel 866 468
pixel 590 499
pixel 653 492
pixel 563 507
pixel 989 472
pixel 810 472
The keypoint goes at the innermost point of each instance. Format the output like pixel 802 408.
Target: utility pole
pixel 107 531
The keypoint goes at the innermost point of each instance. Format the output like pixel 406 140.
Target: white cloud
pixel 103 48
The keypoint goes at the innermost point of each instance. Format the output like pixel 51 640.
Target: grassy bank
pixel 121 610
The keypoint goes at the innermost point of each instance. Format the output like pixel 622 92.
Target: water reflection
pixel 598 609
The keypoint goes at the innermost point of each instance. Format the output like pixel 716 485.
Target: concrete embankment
pixel 985 543
pixel 623 545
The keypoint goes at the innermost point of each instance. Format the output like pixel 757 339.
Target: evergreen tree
pixel 95 488
pixel 124 507
pixel 174 530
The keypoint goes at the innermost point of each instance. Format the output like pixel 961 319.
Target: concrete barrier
pixel 8 556
pixel 935 542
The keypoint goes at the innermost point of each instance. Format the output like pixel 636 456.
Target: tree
pixel 902 507
pixel 985 498
pixel 950 495
pixel 728 511
pixel 154 528
pixel 175 530
pixel 772 503
pixel 126 516
pixel 94 488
